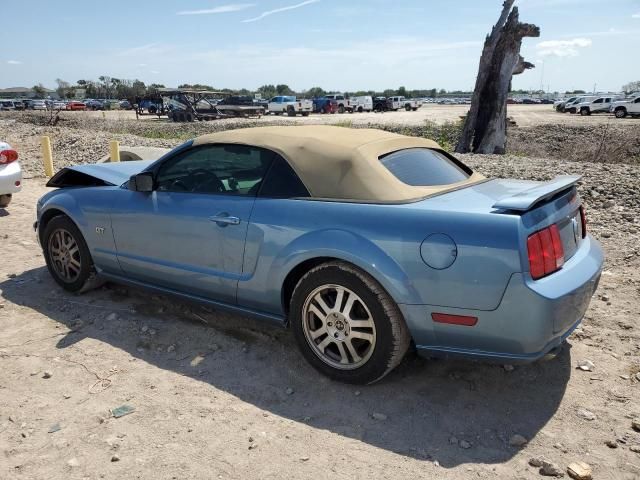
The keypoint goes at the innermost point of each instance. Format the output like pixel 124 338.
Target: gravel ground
pixel 221 396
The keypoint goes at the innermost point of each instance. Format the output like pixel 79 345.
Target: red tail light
pixel 546 254
pixel 8 156
pixel 583 220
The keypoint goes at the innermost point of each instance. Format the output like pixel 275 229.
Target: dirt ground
pixel 523 115
pixel 222 396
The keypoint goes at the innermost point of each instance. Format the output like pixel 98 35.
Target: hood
pixel 99 174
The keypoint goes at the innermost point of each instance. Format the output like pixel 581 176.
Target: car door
pixel 189 233
pixel 635 106
pixel 596 105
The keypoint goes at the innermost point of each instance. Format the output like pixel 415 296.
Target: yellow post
pixel 47 156
pixel 114 150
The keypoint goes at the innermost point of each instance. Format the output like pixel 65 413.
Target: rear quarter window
pixel 423 167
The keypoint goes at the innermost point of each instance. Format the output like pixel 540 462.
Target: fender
pixel 349 247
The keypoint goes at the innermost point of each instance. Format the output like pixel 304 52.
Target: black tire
pixel 291 112
pixel 152 109
pixel 5 200
pixel 391 339
pixel 86 271
pixel 620 112
pixel 341 109
pixel 585 112
pixel 305 114
pixel 407 108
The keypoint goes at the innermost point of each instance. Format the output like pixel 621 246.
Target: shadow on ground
pixel 425 402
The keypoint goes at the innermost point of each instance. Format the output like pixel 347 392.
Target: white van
pixel 361 104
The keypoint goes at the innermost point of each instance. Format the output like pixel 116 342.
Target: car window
pixel 637 100
pixel 598 100
pixel 219 169
pixel 424 167
pixel 282 182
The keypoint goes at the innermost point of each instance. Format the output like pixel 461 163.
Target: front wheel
pixel 67 255
pixel 346 325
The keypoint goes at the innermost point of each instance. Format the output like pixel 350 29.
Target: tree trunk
pixel 485 128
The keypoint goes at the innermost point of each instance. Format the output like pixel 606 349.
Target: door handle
pixel 223 219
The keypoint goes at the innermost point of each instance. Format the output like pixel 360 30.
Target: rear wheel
pixel 290 111
pixel 621 113
pixel 341 109
pixel 585 112
pixel 346 325
pixel 5 200
pixel 67 255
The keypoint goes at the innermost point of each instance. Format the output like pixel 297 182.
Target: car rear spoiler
pixel 526 199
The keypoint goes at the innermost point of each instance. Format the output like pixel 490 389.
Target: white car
pixel 597 105
pixel 38 105
pixel 627 106
pixel 10 174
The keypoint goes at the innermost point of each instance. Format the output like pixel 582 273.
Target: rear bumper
pixel 533 317
pixel 9 175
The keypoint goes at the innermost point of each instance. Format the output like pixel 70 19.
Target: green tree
pixel 631 87
pixel 267 91
pixel 315 92
pixel 39 90
pixel 402 92
pixel 284 90
pixel 64 89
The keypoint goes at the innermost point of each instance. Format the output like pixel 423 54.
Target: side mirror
pixel 141 182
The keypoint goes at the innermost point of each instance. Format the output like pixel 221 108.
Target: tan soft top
pixel 339 163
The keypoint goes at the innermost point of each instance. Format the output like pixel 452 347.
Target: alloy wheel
pixel 65 255
pixel 339 327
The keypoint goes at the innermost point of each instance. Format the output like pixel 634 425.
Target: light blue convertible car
pixel 362 242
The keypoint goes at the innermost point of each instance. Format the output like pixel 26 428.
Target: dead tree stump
pixel 485 127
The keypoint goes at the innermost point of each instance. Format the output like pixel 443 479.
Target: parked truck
pixel 325 105
pixel 344 105
pixel 627 106
pixel 290 105
pixel 396 103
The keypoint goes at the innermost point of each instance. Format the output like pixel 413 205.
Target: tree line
pixel 118 88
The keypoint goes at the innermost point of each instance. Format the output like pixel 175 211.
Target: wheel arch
pixel 353 250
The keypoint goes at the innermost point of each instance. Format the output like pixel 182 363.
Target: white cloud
pixel 234 7
pixel 562 48
pixel 14 62
pixel 279 10
pixel 636 15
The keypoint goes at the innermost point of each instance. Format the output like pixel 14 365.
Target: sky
pixel 339 45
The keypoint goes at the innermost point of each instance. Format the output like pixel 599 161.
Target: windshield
pixel 423 167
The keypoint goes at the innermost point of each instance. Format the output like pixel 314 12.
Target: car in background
pixel 93 104
pixel 628 106
pixel 10 174
pixel 58 105
pixel 19 104
pixel 290 105
pixel 362 242
pixel 361 104
pixel 380 104
pixel 399 102
pixel 75 105
pixel 125 105
pixel 596 105
pixel 7 105
pixel 38 105
pixel 343 102
pixel 325 105
pixel 572 107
